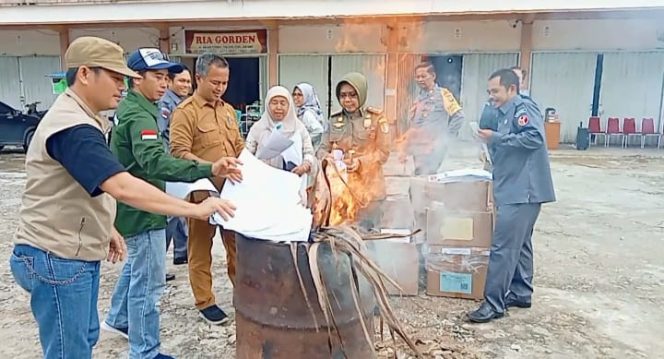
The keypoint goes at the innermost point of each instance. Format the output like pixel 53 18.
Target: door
pixel 313 69
pixel 36 85
pixel 565 81
pixel 475 75
pixel 244 83
pixel 448 72
pixel 10 81
pixel 632 85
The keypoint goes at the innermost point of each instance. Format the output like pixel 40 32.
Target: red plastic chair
pixel 648 130
pixel 629 130
pixel 613 129
pixel 595 130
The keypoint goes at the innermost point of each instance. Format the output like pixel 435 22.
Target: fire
pixel 352 192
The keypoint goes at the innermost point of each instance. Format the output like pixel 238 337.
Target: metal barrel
pixel 272 318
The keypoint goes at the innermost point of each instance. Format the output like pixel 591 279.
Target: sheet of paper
pixel 183 189
pixel 475 127
pixel 275 144
pixel 268 203
pixel 294 152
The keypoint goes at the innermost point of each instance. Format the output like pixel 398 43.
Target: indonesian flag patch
pixel 148 135
pixel 523 120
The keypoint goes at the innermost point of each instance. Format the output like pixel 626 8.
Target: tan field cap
pixel 96 52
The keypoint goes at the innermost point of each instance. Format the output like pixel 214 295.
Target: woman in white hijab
pixel 279 115
pixel 309 112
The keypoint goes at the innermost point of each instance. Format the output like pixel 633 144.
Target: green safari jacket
pixel 138 145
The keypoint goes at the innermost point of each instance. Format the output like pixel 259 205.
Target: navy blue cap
pixel 146 59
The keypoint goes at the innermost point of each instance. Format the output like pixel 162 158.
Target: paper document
pixel 475 127
pixel 268 203
pixel 461 175
pixel 275 144
pixel 183 189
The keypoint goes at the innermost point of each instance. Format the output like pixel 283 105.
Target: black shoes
pixel 214 315
pixel 180 261
pixel 484 314
pixel 170 277
pixel 510 302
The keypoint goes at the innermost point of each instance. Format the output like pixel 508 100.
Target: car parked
pixel 18 127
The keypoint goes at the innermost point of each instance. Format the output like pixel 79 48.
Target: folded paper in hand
pixel 275 144
pixel 267 201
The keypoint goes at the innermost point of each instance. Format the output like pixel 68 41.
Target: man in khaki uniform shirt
pixel 204 128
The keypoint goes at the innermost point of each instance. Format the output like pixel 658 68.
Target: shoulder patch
pixel 523 120
pixel 148 135
pixel 374 111
pixel 165 112
pixel 449 102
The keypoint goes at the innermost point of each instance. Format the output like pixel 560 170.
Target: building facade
pixel 586 60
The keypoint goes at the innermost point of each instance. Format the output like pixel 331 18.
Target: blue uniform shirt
pixel 521 170
pixel 167 105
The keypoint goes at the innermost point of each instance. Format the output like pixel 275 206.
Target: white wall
pixel 607 34
pixel 29 42
pixel 129 38
pixel 343 38
pixel 430 37
pixel 463 36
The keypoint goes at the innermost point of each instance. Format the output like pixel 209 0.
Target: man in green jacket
pixel 136 143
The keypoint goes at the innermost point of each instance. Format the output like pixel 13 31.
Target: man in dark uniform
pixel 489 116
pixel 522 182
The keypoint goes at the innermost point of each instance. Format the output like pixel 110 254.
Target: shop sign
pixel 226 42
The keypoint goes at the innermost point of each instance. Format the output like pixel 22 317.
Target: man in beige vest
pixel 66 220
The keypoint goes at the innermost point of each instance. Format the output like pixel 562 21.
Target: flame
pixel 352 192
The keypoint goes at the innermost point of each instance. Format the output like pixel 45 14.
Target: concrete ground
pixel 599 275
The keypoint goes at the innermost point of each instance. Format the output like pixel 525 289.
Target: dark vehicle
pixel 17 127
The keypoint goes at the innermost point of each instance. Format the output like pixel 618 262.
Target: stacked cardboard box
pixel 459 230
pixel 398 257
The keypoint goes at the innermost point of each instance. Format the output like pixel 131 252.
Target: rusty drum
pixel 273 320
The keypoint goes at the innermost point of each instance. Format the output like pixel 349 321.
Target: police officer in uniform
pixel 435 117
pixel 522 182
pixel 362 134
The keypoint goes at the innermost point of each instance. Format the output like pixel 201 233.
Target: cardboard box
pixel 456 272
pixel 472 196
pixel 397 213
pixel 461 197
pixel 400 261
pixel 459 229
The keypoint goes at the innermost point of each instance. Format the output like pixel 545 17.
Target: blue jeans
pixel 177 231
pixel 63 299
pixel 139 288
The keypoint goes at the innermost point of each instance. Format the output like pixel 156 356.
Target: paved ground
pixel 599 275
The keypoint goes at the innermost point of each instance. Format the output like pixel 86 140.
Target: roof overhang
pixel 173 12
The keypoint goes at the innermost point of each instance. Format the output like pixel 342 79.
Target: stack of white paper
pixel 461 175
pixel 267 200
